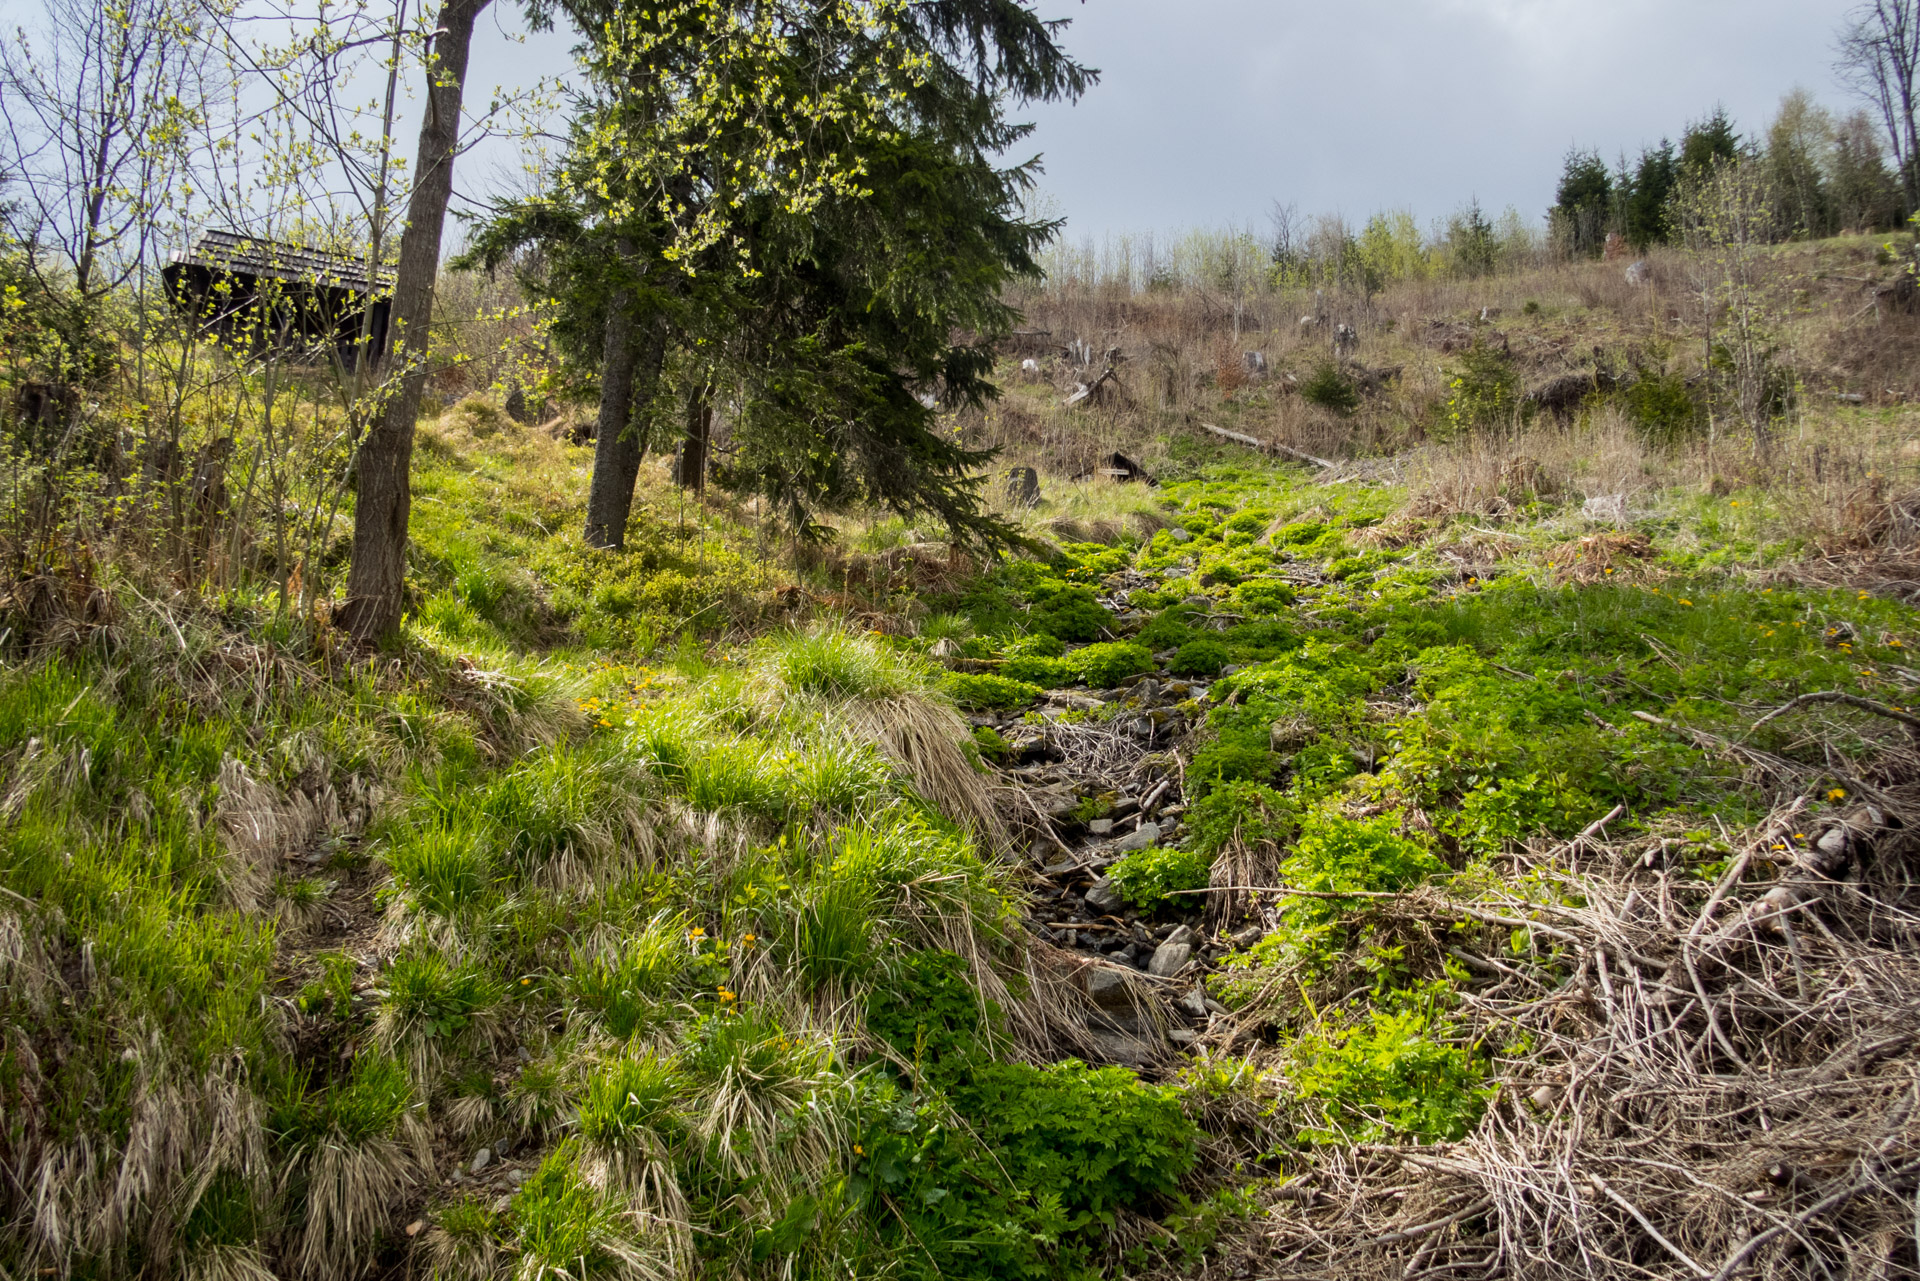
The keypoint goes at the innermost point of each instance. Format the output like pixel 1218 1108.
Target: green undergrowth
pixel 654 930
pixel 498 559
pixel 698 926
pixel 1380 720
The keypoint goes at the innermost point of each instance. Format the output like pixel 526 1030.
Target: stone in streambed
pixel 1104 897
pixel 1169 959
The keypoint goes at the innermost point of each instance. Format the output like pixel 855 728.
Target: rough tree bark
pixel 692 471
pixel 376 579
pixel 629 372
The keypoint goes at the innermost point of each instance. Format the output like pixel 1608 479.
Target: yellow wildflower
pixel 1837 794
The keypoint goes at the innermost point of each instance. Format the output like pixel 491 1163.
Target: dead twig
pixel 1849 700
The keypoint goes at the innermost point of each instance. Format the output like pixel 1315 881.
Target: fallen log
pixel 1269 447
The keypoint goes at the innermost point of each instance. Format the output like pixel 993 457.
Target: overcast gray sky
pixel 1208 110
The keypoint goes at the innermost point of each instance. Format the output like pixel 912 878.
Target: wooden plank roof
pixel 240 254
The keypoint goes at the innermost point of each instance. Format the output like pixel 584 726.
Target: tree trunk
pixel 377 576
pixel 628 373
pixel 692 471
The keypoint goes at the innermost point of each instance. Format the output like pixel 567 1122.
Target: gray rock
pixel 1104 897
pixel 1290 735
pixel 1179 535
pixel 1127 1051
pixel 1834 841
pixel 481 1160
pixel 1055 802
pixel 1183 1036
pixel 1110 989
pixel 1100 826
pixel 1181 934
pixel 1142 837
pixel 1194 1003
pixel 1169 959
pixel 516 1177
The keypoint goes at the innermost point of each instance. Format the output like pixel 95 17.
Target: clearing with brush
pixel 773 714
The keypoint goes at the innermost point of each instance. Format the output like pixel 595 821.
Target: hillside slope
pixel 1490 859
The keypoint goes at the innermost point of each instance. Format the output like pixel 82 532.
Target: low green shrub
pixel 1370 855
pixel 981 691
pixel 1229 760
pixel 1483 391
pixel 991 746
pixel 1036 645
pixel 1147 878
pixel 1246 812
pixel 1663 407
pixel 1072 613
pixel 1047 673
pixel 1264 596
pixel 1026 1188
pixel 925 1007
pixel 1170 630
pixel 1330 388
pixel 1394 1073
pixel 1106 665
pixel 1199 658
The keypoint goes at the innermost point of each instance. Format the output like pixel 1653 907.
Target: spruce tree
pixel 818 183
pixel 1583 205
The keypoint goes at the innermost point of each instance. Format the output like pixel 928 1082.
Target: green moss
pixel 1199 658
pixel 1106 665
pixel 987 692
pixel 1047 673
pixel 1070 613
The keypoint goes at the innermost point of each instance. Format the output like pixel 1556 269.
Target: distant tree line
pixel 1825 175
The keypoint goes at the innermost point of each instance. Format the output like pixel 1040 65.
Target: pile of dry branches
pixel 1694 1079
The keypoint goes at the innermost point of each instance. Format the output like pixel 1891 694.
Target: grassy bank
pixel 1399 866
